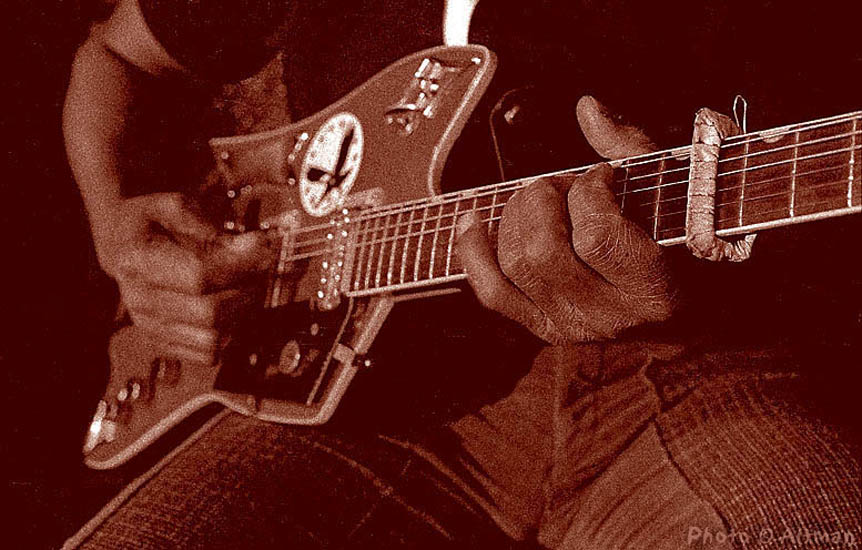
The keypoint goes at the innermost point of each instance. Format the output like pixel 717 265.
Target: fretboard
pixel 766 179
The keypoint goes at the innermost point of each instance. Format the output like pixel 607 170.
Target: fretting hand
pixel 181 283
pixel 568 266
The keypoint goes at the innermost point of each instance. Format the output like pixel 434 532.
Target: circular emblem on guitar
pixel 331 164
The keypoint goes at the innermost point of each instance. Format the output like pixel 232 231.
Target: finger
pixel 171 211
pixel 616 248
pixel 237 258
pixel 200 339
pixel 164 264
pixel 609 137
pixel 209 310
pixel 535 253
pixel 494 291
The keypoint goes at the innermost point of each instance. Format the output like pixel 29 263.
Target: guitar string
pixel 518 184
pixel 370 243
pixel 443 229
pixel 842 182
pixel 382 235
pixel 432 275
pixel 801 144
pixel 719 221
pixel 441 214
pixel 662 155
pixel 763 136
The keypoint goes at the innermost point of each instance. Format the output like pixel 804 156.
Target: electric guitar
pixel 351 197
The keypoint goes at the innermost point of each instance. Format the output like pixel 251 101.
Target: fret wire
pixel 658 197
pixel 452 197
pixel 625 185
pixel 793 174
pixel 450 201
pixel 360 258
pixel 743 182
pixel 452 233
pixel 493 219
pixel 406 245
pixel 852 164
pixel 392 250
pixel 742 157
pixel 682 152
pixel 493 204
pixel 419 246
pixel 381 252
pixel 371 254
pixel 434 241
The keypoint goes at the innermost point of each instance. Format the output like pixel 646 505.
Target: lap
pixel 247 484
pixel 641 462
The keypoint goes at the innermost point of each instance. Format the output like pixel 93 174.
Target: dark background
pixel 57 306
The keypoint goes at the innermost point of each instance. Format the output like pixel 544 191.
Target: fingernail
pixel 465 222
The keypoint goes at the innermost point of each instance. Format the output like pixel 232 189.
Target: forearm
pixel 94 121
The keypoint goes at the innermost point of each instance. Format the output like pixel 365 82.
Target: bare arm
pixel 180 284
pixel 96 111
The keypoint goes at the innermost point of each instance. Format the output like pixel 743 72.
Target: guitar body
pixel 384 143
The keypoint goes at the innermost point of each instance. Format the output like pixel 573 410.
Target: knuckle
pixel 538 251
pixel 536 196
pixel 171 203
pixel 595 236
pixel 539 194
pixel 531 252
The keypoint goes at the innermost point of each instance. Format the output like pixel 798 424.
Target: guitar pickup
pixel 421 96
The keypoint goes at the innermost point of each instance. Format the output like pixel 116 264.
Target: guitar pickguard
pixel 294 361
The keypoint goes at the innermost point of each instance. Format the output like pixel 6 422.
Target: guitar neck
pixel 783 176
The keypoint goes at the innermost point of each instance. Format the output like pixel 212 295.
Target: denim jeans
pixel 597 447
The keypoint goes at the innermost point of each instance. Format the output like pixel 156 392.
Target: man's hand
pixel 180 282
pixel 568 266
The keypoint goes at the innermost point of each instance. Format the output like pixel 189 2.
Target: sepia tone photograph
pixel 529 275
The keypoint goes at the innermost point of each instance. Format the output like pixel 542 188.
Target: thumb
pixel 170 211
pixel 609 137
